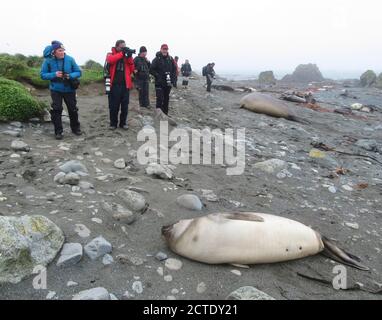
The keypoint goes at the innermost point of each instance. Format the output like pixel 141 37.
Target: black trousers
pixel 119 98
pixel 209 83
pixel 163 98
pixel 143 89
pixel 57 108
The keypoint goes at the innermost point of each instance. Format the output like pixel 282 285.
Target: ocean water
pixel 328 74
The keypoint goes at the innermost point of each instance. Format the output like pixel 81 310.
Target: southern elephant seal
pixel 265 104
pixel 249 238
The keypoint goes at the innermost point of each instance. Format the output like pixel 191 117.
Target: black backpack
pixel 204 71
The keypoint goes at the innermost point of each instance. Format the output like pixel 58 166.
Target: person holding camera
pixel 120 65
pixel 63 73
pixel 142 77
pixel 164 70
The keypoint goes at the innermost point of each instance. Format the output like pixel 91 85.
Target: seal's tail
pixel 333 252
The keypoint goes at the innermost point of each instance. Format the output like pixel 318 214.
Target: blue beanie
pixel 56 45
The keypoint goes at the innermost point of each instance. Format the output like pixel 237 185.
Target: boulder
pixel 190 202
pixel 267 77
pixel 368 79
pixel 133 200
pixel 71 254
pixel 25 243
pixel 98 248
pixel 305 73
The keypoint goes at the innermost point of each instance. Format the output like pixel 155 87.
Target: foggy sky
pixel 240 36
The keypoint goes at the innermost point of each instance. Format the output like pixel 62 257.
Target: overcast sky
pixel 342 36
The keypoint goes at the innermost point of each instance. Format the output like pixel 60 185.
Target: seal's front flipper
pixel 333 252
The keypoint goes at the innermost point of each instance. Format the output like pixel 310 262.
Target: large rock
pixel 93 294
pixel 71 254
pixel 98 248
pixel 368 79
pixel 378 83
pixel 305 73
pixel 249 293
pixel 133 200
pixel 267 77
pixel 25 243
pixel 191 202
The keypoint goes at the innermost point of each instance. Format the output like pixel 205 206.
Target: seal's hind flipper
pixel 243 216
pixel 333 252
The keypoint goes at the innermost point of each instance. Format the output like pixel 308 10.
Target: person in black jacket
pixel 164 70
pixel 186 71
pixel 142 75
pixel 210 75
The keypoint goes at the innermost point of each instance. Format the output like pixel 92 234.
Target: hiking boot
pixel 112 128
pixel 78 132
pixel 59 136
pixel 125 127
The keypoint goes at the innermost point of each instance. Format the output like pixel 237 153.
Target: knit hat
pixel 164 46
pixel 142 49
pixel 57 45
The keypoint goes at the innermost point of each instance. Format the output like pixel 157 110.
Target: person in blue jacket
pixel 63 73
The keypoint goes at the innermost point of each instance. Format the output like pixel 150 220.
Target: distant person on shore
pixel 121 66
pixel 186 73
pixel 210 75
pixel 164 71
pixel 63 73
pixel 176 60
pixel 142 77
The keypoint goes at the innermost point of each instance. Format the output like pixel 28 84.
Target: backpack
pixel 204 71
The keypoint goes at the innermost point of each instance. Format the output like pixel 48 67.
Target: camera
pixel 128 52
pixel 107 85
pixel 168 79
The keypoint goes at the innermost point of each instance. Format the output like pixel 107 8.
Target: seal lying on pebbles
pixel 249 238
pixel 265 104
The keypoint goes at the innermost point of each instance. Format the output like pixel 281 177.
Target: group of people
pixel 122 71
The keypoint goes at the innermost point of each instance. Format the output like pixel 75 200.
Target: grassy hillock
pixel 16 102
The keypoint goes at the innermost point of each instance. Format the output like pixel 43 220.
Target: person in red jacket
pixel 121 67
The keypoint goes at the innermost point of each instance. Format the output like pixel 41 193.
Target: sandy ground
pixel 303 196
